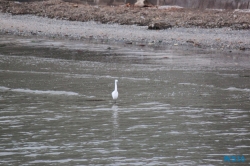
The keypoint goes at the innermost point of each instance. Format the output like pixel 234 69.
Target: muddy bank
pixel 185 28
pixel 212 39
pixel 160 18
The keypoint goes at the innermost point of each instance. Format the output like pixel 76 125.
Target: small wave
pixel 45 92
pixel 7 153
pixel 193 84
pixel 238 89
pixel 243 146
pixel 50 161
pixel 50 92
pixel 140 127
pixel 175 132
pixel 3 88
pixel 105 76
pixel 187 83
pixel 237 134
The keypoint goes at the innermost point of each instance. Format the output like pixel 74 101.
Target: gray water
pixel 174 107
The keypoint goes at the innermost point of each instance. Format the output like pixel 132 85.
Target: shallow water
pixel 174 107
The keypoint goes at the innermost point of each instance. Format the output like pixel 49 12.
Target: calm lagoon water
pixel 174 108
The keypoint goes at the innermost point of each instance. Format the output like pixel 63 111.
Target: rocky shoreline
pixel 129 15
pixel 208 29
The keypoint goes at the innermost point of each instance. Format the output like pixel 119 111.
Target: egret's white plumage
pixel 115 92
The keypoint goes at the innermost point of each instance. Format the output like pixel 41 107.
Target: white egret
pixel 115 92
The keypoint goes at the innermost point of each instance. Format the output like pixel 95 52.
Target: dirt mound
pixel 153 17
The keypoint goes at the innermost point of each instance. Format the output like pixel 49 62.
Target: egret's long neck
pixel 115 86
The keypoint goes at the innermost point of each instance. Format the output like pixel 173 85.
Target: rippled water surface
pixel 174 107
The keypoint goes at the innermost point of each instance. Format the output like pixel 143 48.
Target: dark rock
pixel 159 25
pixel 190 41
pixel 242 48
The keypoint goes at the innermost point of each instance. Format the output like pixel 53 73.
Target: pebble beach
pixel 211 30
pixel 212 39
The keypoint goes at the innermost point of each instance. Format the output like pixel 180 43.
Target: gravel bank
pixel 217 38
pixel 162 17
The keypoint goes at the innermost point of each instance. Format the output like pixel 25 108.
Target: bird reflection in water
pixel 115 118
